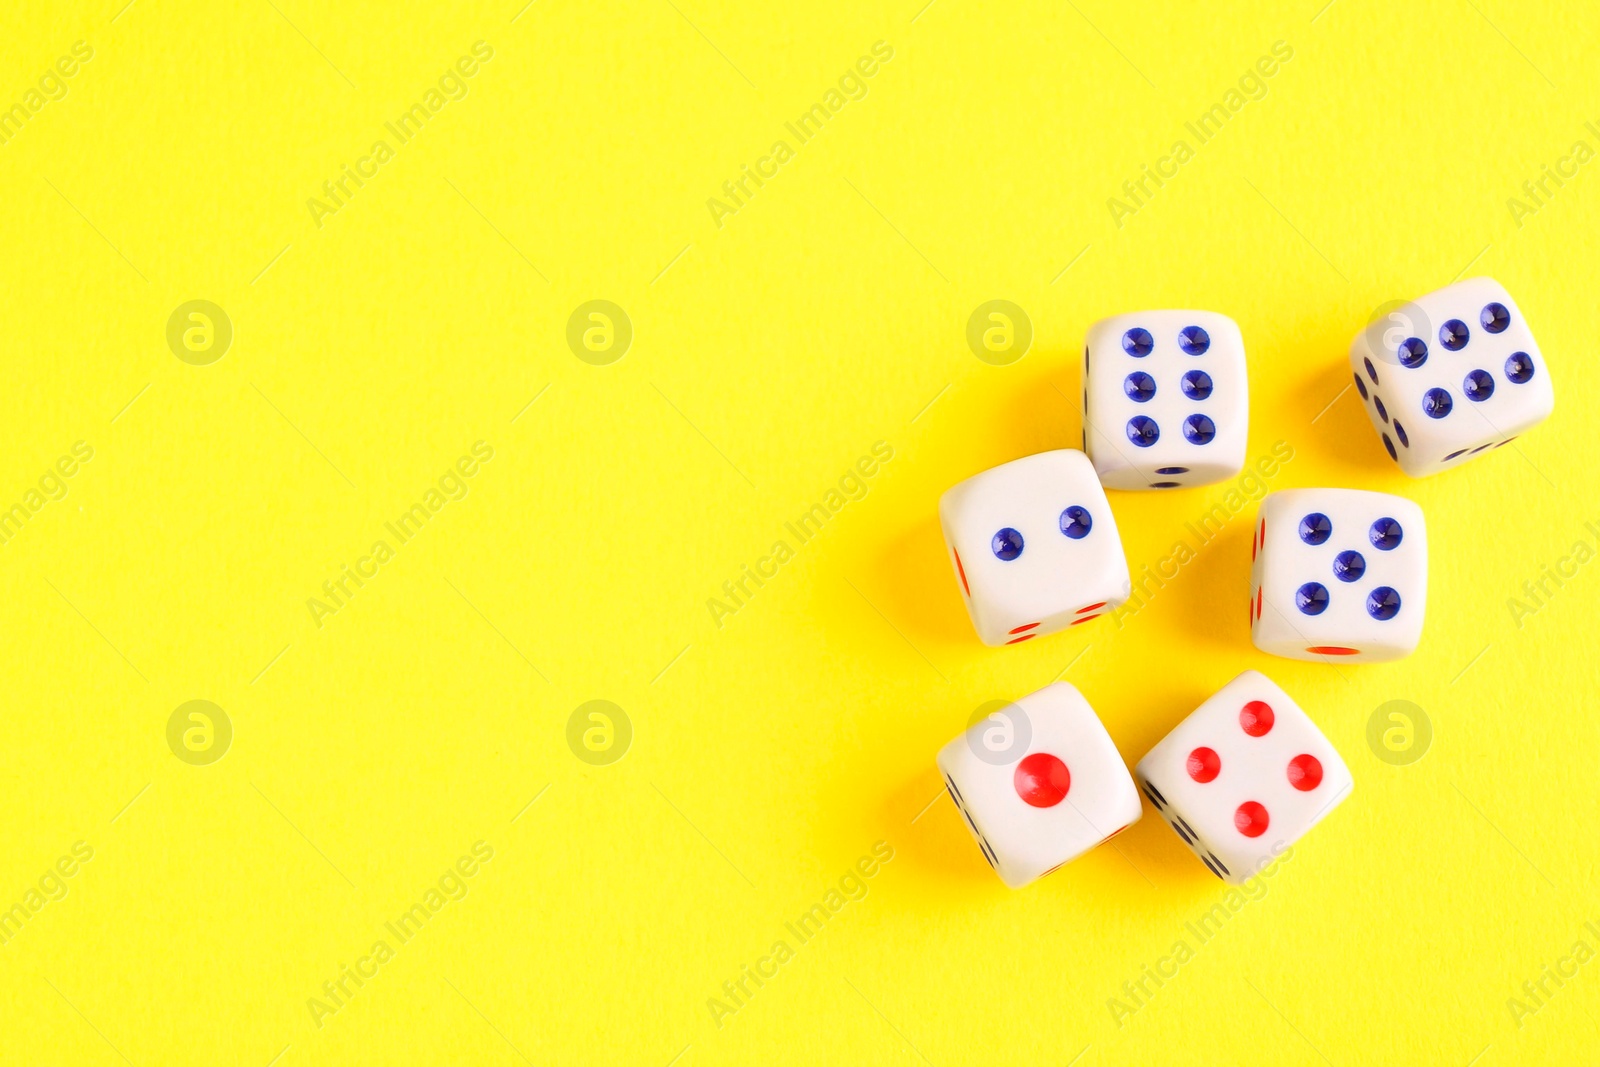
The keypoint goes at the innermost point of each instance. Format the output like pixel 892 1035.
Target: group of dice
pixel 1337 575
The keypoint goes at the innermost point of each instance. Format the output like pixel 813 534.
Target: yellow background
pixel 770 753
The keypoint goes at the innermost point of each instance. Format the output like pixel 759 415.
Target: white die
pixel 1034 547
pixel 1244 777
pixel 1039 783
pixel 1436 406
pixel 1165 399
pixel 1338 575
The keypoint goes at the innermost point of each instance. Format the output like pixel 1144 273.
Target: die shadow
pixel 916 570
pixel 1040 415
pixel 1048 407
pixel 1341 438
pixel 1204 600
pixel 937 843
pixel 1150 854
